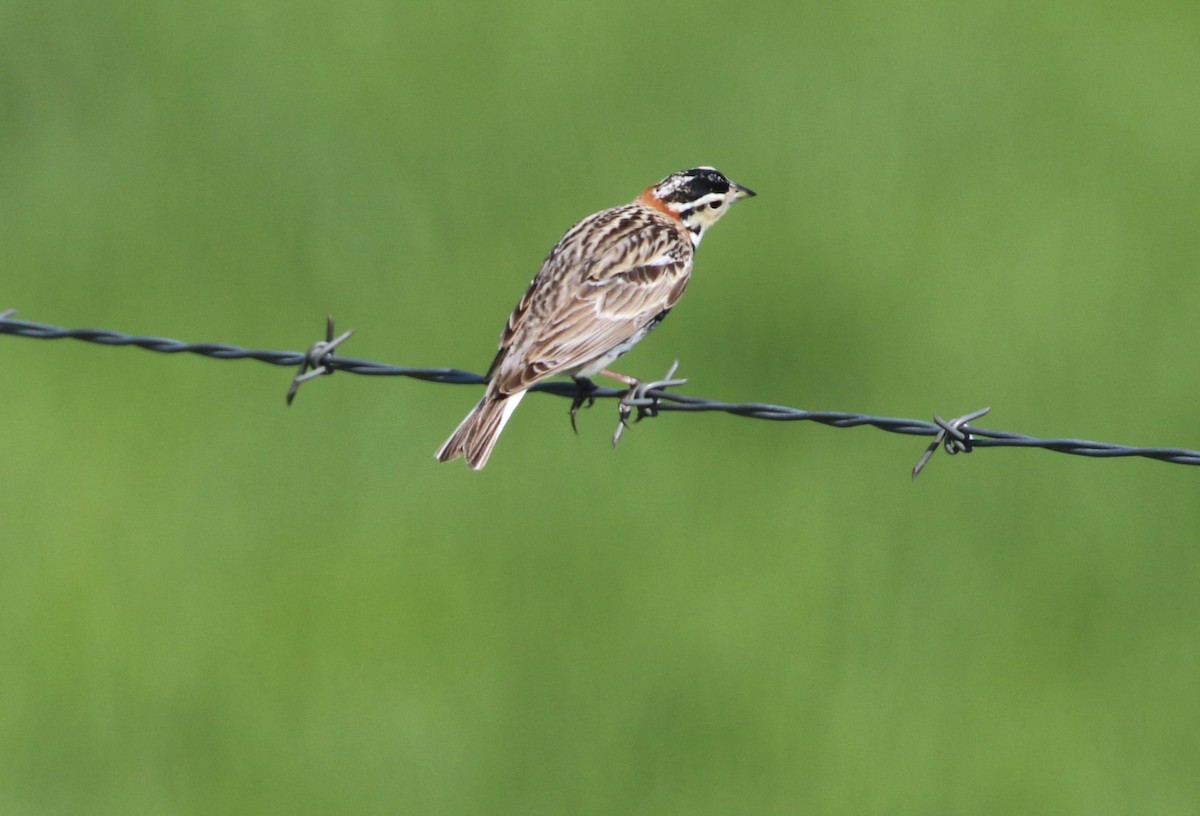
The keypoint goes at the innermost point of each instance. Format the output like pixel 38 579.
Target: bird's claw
pixel 585 394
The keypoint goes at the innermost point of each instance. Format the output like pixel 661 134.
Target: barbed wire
pixel 648 399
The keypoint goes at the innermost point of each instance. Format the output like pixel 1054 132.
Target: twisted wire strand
pixel 956 436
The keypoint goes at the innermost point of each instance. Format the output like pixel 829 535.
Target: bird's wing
pixel 578 308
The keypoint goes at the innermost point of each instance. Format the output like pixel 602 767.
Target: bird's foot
pixel 585 394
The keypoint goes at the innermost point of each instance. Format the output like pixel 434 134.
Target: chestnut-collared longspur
pixel 611 279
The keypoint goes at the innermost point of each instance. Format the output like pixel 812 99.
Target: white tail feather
pixel 476 435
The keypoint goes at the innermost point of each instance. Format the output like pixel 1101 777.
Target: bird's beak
pixel 740 192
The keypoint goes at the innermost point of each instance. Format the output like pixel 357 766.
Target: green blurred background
pixel 213 604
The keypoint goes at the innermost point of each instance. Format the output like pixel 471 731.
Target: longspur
pixel 611 279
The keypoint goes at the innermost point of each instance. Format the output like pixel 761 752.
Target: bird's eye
pixel 714 205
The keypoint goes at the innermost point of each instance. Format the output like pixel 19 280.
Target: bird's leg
pixel 586 392
pixel 632 382
pixel 626 405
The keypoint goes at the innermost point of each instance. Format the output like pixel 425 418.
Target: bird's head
pixel 697 197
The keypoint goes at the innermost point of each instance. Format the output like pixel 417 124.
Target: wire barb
pixel 649 398
pixel 319 358
pixel 952 435
pixel 645 397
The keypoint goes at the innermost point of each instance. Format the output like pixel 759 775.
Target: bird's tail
pixel 476 435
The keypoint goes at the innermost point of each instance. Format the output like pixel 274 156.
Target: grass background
pixel 209 603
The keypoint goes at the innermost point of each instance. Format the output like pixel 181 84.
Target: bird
pixel 605 285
